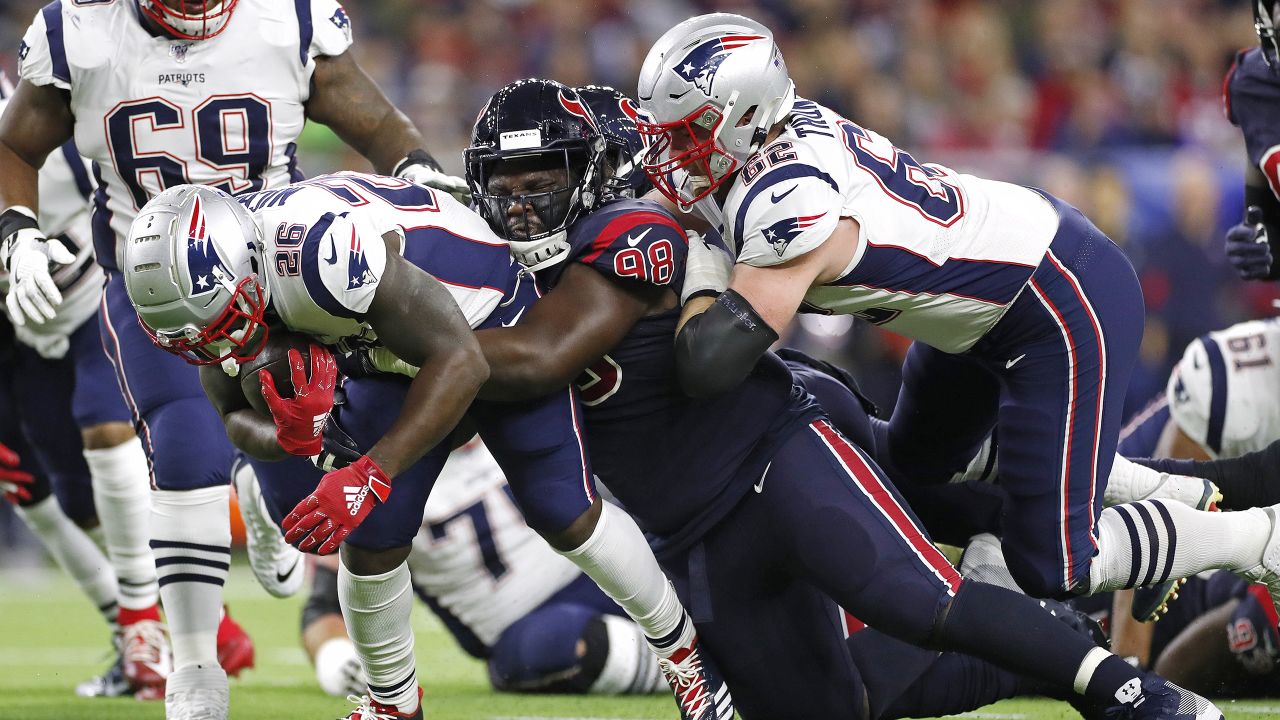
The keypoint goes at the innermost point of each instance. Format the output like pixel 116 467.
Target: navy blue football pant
pixel 53 400
pixel 821 525
pixel 538 443
pixel 181 432
pixel 1050 378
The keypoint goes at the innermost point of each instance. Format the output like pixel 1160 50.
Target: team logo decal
pixel 341 21
pixel 781 233
pixel 23 50
pixel 700 64
pixel 358 272
pixel 575 107
pixel 203 262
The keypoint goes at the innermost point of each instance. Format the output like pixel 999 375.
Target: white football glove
pixel 27 255
pixel 420 168
pixel 707 270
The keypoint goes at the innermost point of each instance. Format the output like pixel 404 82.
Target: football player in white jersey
pixel 504 595
pixel 363 260
pixel 79 428
pixel 1026 317
pixel 158 93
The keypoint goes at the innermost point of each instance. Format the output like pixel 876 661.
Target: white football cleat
pixel 1267 571
pixel 197 692
pixel 1131 482
pixel 277 565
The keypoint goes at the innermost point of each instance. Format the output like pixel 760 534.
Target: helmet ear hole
pixel 748 116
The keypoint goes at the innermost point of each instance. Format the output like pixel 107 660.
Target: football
pixel 273 359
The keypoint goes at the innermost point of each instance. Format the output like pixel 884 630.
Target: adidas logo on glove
pixel 355 497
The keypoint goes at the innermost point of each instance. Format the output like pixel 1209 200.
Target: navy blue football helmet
pixel 624 145
pixel 536 125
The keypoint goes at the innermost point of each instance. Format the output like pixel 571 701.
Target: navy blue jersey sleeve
pixel 634 240
pixel 1251 94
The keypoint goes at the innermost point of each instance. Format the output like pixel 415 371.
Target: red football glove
pixel 339 503
pixel 300 419
pixel 14 481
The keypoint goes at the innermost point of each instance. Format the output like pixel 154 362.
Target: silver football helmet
pixel 714 86
pixel 191 266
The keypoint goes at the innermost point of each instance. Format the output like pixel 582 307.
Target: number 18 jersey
pixel 153 112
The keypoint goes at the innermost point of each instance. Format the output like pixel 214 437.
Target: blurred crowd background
pixel 1114 105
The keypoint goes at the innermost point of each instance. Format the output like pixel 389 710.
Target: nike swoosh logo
pixel 778 198
pixel 514 320
pixel 283 577
pixel 634 241
pixel 1010 363
pixel 759 487
pixel 333 252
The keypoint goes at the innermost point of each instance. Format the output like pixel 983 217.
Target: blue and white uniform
pixel 1025 317
pixel 324 244
pixel 60 378
pixel 153 112
pixel 1223 391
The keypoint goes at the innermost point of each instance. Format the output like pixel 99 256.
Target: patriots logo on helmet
pixel 575 107
pixel 358 272
pixel 700 64
pixel 781 233
pixel 203 260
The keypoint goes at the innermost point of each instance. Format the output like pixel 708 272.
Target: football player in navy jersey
pixel 761 512
pixel 1251 96
pixel 159 93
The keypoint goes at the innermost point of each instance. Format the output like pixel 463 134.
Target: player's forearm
pixel 18 180
pixel 347 100
pixel 254 435
pixel 522 365
pixel 716 349
pixel 437 399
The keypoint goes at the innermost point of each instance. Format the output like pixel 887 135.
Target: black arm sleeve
pixel 717 349
pixel 1264 199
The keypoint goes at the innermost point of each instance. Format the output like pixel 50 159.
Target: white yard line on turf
pixel 1233 708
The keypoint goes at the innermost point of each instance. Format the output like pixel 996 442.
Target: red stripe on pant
pixel 880 496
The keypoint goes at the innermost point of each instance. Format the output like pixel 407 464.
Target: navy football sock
pixel 1015 632
pixel 1246 481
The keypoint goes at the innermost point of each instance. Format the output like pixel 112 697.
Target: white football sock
pixel 619 560
pixel 122 493
pixel 1172 541
pixel 630 666
pixel 191 537
pixel 376 609
pixel 75 553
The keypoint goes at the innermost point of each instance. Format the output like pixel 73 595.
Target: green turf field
pixel 50 639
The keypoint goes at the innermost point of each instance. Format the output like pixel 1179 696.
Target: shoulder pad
pixel 326 30
pixel 42 55
pixel 343 258
pixel 1252 97
pixel 631 239
pixel 785 213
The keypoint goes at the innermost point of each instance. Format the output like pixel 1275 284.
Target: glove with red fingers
pixel 300 419
pixel 341 501
pixel 14 482
pixel 1247 247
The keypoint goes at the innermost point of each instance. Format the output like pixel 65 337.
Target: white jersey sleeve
pixel 331 34
pixel 1222 393
pixel 346 253
pixel 37 63
pixel 792 210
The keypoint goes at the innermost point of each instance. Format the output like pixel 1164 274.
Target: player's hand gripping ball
pixel 299 404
